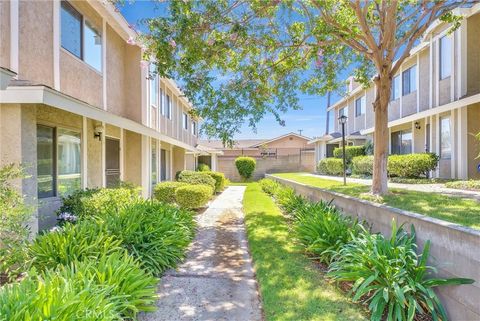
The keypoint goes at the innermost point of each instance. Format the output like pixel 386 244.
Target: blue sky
pixel 311 119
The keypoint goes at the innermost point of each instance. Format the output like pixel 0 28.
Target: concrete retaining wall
pixel 455 250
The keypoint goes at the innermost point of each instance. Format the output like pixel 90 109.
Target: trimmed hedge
pixel 193 196
pixel 330 166
pixel 196 178
pixel 203 167
pixel 219 180
pixel 350 152
pixel 245 166
pixel 412 165
pixel 165 191
pixel 362 165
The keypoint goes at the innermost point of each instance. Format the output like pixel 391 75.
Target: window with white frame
pixel 168 107
pixel 154 86
pixel 342 112
pixel 445 138
pixel 162 101
pixel 360 106
pixel 194 128
pixel 401 142
pixel 185 121
pixel 154 164
pixel 395 94
pixel 409 80
pixel 58 161
pixel 445 57
pixel 79 37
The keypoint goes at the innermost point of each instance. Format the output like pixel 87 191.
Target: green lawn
pixel 453 209
pixel 292 288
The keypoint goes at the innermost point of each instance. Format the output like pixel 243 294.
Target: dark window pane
pixel 45 163
pixel 395 143
pixel 163 164
pixel 71 29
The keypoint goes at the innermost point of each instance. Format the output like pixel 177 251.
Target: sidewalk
pixel 435 188
pixel 216 281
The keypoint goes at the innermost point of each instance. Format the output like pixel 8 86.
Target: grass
pixel 292 288
pixel 458 210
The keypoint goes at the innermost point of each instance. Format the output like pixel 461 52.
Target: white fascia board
pixel 114 18
pixel 5 77
pixel 429 112
pixel 47 96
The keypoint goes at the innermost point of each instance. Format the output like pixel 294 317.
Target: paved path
pixel 436 188
pixel 216 282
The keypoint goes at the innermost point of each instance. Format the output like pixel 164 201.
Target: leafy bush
pixel 193 196
pixel 362 165
pixel 350 152
pixel 269 186
pixel 390 276
pixel 165 191
pixel 85 240
pixel 108 200
pixel 219 180
pixel 245 166
pixel 369 148
pixel 196 178
pixel 73 203
pixel 322 229
pixel 330 166
pixel 412 165
pixel 473 185
pixel 203 167
pixel 288 200
pixel 155 233
pixel 14 232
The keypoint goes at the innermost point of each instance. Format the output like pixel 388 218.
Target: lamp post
pixel 343 119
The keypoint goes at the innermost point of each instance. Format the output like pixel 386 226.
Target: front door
pixel 112 161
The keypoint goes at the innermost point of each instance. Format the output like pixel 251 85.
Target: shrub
pixel 330 166
pixel 269 186
pixel 473 185
pixel 155 233
pixel 73 203
pixel 412 165
pixel 193 196
pixel 219 180
pixel 362 165
pixel 196 178
pixel 322 230
pixel 85 240
pixel 369 148
pixel 108 200
pixel 245 166
pixel 165 191
pixel 350 152
pixel 390 275
pixel 14 233
pixel 203 167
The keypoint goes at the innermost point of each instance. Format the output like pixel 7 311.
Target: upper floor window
pixel 153 86
pixel 168 107
pixel 395 88
pixel 194 128
pixel 401 142
pixel 445 57
pixel 185 121
pixel 79 37
pixel 445 138
pixel 409 78
pixel 360 105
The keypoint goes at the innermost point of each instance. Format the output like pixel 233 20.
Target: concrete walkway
pixel 435 188
pixel 216 282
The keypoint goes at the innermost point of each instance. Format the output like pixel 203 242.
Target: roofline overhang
pixel 51 97
pixel 6 76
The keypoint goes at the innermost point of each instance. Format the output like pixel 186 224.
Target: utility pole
pixel 300 131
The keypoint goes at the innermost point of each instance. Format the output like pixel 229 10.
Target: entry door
pixel 427 140
pixel 163 165
pixel 112 161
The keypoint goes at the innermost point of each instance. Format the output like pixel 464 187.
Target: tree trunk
pixel 380 136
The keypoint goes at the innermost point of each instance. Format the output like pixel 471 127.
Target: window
pixel 58 161
pixel 79 37
pixel 445 138
pixel 168 108
pixel 153 86
pixel 185 121
pixel 360 106
pixel 194 128
pixel 162 102
pixel 395 88
pixel 330 122
pixel 342 112
pixel 409 78
pixel 154 164
pixel 445 57
pixel 401 142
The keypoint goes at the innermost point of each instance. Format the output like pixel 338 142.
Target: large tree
pixel 238 60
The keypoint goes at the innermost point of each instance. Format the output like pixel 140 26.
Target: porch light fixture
pixel 417 125
pixel 97 132
pixel 342 120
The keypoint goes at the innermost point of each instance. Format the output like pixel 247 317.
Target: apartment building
pixel 78 108
pixel 435 103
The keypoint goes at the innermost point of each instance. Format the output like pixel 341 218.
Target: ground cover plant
pixel 452 209
pixel 387 275
pixel 473 185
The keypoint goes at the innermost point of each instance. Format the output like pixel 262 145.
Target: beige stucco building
pixel 79 109
pixel 435 103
